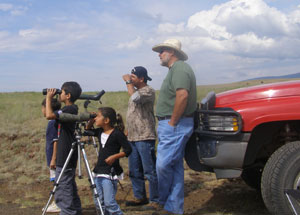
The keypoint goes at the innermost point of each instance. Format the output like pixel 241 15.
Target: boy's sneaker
pixel 137 202
pixel 53 208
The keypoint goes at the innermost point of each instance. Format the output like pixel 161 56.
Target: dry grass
pixel 22 127
pixel 22 135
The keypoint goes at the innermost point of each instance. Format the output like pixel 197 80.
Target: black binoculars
pixel 58 91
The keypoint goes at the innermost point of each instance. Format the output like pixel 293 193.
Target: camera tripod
pixel 78 143
pixel 91 141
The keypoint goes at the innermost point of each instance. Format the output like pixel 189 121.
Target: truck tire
pixel 282 171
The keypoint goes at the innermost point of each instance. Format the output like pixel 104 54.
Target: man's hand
pixel 130 87
pixel 180 105
pixel 171 124
pixel 126 77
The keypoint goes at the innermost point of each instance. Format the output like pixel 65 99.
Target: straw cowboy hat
pixel 171 44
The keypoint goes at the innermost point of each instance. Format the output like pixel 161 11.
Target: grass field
pixel 22 131
pixel 22 126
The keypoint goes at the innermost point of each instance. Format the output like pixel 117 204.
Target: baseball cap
pixel 140 72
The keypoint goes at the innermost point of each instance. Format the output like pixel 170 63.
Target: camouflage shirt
pixel 140 115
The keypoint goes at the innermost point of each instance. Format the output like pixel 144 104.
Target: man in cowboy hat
pixel 141 136
pixel 174 110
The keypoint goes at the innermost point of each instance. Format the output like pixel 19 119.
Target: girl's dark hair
pixel 115 120
pixel 55 104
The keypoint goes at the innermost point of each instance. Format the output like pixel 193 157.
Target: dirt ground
pixel 203 195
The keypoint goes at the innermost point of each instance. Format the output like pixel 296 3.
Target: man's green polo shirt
pixel 180 76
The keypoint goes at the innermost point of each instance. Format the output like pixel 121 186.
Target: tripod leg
pixel 91 179
pixel 58 179
pixel 79 163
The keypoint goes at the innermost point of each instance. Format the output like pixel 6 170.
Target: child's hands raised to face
pixel 50 92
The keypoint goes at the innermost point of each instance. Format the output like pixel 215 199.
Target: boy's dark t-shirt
pixel 66 138
pixel 51 136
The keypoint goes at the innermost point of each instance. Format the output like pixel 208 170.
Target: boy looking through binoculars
pixel 66 196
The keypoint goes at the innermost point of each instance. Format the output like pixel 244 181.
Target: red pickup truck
pixel 251 133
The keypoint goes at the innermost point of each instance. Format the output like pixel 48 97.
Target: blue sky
pixel 44 43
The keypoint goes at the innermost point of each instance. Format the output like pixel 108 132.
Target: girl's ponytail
pixel 115 120
pixel 120 123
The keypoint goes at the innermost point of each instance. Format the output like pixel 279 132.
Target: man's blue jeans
pixel 169 164
pixel 142 161
pixel 107 190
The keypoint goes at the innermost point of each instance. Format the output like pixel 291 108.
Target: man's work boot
pixel 137 202
pixel 152 206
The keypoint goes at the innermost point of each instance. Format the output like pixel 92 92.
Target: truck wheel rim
pixel 297 182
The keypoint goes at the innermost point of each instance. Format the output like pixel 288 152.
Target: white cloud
pixel 249 44
pixel 246 28
pixel 6 7
pixel 61 36
pixel 131 44
pixel 232 41
pixel 170 28
pixel 14 10
pixel 205 20
pixel 18 11
pixel 295 16
pixel 237 40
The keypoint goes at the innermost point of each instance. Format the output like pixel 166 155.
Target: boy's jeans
pixel 169 163
pixel 142 161
pixel 66 196
pixel 107 190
